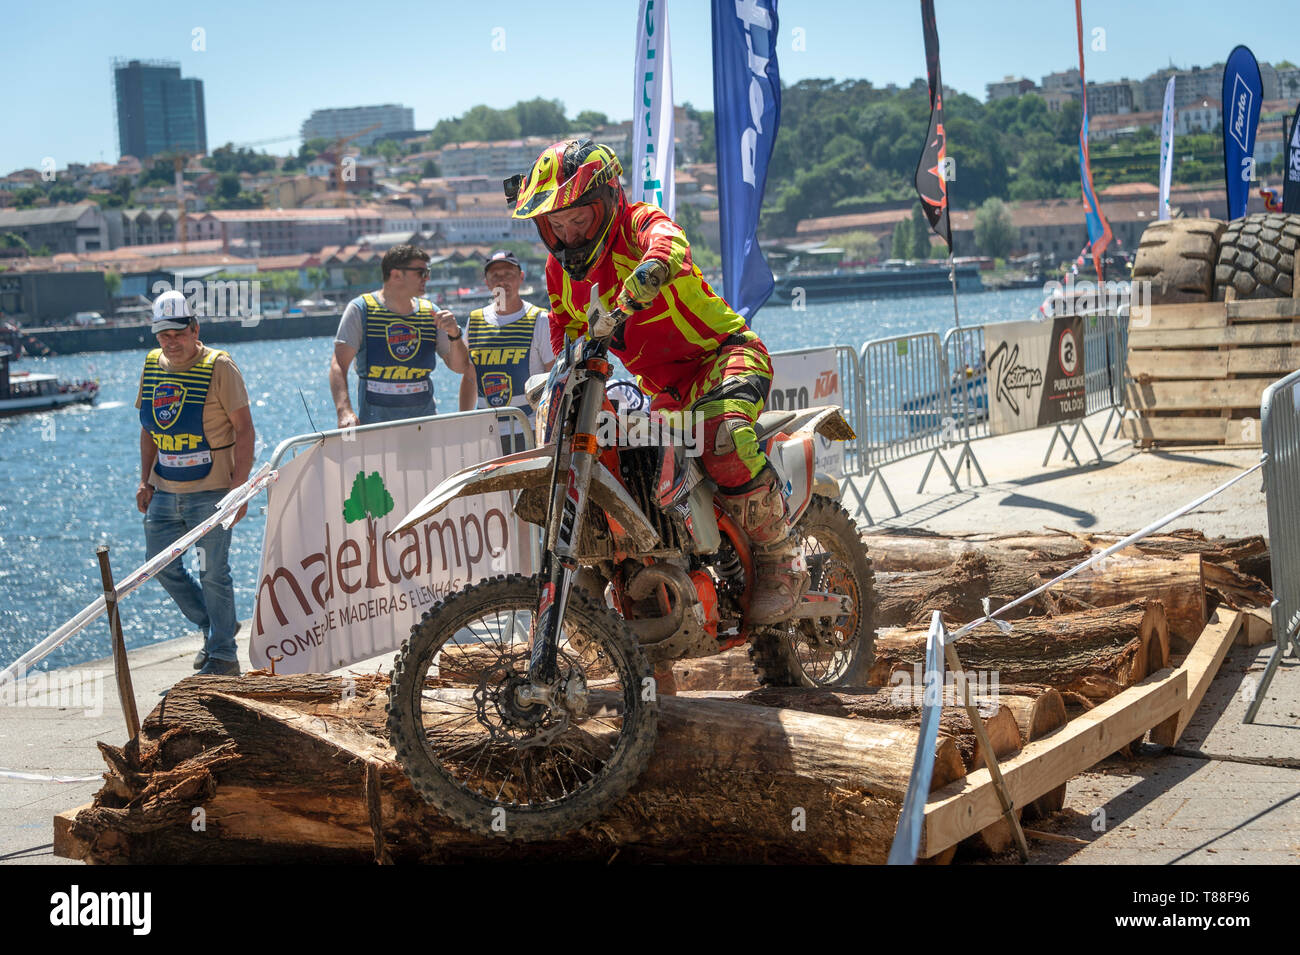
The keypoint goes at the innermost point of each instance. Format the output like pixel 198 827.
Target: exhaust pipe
pixel 681 593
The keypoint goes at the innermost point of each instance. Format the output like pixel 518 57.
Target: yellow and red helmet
pixel 575 172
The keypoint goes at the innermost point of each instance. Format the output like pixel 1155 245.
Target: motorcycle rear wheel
pixel 824 652
pixel 492 766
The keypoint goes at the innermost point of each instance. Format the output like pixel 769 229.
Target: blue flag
pixel 747 113
pixel 1241 102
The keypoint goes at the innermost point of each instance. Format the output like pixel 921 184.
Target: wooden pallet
pixel 1197 372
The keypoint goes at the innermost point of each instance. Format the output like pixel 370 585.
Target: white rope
pixel 1118 545
pixel 38 778
pixel 224 514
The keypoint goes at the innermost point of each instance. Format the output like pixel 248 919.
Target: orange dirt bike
pixel 525 707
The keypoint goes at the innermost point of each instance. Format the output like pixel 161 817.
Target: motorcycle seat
pixel 770 422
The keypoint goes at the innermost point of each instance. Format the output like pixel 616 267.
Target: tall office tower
pixel 157 110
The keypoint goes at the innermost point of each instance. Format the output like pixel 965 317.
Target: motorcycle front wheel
pixel 507 770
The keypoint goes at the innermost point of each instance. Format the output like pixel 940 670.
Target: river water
pixel 70 475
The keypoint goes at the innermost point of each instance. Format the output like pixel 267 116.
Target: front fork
pixel 564 527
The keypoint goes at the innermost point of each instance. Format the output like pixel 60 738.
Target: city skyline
pixel 259 86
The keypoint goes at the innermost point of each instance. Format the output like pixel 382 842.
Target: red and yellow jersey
pixel 669 344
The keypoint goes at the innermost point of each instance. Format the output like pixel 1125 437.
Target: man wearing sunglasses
pixel 393 337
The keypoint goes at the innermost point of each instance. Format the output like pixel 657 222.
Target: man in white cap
pixel 196 445
pixel 509 341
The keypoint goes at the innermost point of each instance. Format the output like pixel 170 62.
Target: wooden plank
pixel 1203 430
pixel 1201 665
pixel 1242 433
pixel 1280 361
pixel 1164 364
pixel 1193 395
pixel 1257 628
pixel 66 845
pixel 1263 309
pixel 1264 334
pixel 966 806
pixel 1197 315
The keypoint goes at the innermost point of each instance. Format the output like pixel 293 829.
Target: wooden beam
pixel 1171 363
pixel 1204 430
pixel 1263 309
pixel 1280 360
pixel 1201 665
pixel 1271 334
pixel 1257 627
pixel 1197 315
pixel 1211 394
pixel 66 845
pixel 963 808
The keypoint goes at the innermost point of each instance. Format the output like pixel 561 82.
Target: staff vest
pixel 502 357
pixel 171 410
pixel 396 360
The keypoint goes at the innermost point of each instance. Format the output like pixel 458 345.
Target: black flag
pixel 932 169
pixel 1291 175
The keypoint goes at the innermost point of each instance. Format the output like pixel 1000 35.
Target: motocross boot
pixel 781 573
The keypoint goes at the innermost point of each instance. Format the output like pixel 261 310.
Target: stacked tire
pixel 1257 256
pixel 1198 260
pixel 1178 256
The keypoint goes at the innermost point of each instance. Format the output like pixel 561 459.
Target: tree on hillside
pixel 228 185
pixel 920 233
pixel 388 148
pixel 900 246
pixel 430 170
pixel 859 246
pixel 541 117
pixel 994 233
pixel 588 120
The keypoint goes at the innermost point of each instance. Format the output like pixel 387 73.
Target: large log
pixel 1037 710
pixel 730 670
pixel 1095 653
pixel 297 768
pixel 894 706
pixel 958 589
pixel 912 552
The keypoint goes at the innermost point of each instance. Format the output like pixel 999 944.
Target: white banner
pixel 650 168
pixel 331 590
pixel 1167 149
pixel 803 379
pixel 1036 373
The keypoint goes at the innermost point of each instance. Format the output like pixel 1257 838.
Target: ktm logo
pixel 828 383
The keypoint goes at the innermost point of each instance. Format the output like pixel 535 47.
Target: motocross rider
pixel 688 348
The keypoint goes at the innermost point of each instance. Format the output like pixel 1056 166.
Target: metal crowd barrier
pixel 850 376
pixel 907 409
pixel 1280 413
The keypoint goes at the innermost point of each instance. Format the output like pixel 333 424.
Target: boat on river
pixel 26 391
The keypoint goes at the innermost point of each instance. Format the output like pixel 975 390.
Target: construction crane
pixel 181 159
pixel 335 152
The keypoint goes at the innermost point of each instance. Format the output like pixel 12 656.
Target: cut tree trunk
pixel 292 768
pixel 1095 653
pixel 898 552
pixel 730 670
pixel 1038 710
pixel 898 707
pixel 957 590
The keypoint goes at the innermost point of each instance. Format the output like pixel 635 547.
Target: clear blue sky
pixel 268 65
